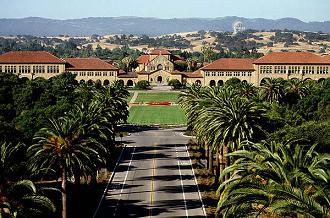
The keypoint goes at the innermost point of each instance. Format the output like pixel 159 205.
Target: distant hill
pixel 150 26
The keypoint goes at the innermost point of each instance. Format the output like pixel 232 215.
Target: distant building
pixel 286 65
pixel 160 66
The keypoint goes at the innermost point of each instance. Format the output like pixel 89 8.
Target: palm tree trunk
pixel 226 159
pixel 211 161
pixel 207 155
pixel 64 209
pixel 222 162
pixel 217 165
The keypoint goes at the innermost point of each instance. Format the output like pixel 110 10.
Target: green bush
pixel 176 84
pixel 142 84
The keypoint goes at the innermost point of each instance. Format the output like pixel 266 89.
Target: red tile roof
pixel 143 59
pixel 30 57
pixel 196 74
pixel 290 58
pixel 128 75
pixel 160 52
pixel 88 64
pixel 326 58
pixel 231 64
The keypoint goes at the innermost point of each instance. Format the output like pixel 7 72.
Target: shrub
pixel 142 84
pixel 176 84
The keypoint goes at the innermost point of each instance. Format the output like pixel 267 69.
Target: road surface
pixel 153 179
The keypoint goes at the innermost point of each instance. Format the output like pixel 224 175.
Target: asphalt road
pixel 153 179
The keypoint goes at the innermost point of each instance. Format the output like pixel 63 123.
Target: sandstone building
pixel 160 66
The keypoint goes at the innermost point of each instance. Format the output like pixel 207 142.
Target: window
pixel 243 73
pixel 228 73
pixel 111 73
pixel 249 73
pixel 236 74
pixel 207 73
pixel 105 73
pixel 213 73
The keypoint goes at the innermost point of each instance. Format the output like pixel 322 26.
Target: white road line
pixel 183 194
pixel 199 193
pixel 109 181
pixel 129 167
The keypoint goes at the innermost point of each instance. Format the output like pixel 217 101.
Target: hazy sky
pixel 306 10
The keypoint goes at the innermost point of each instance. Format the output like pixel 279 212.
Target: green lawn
pixel 163 115
pixel 158 97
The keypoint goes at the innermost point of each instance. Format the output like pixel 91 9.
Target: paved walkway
pixel 135 95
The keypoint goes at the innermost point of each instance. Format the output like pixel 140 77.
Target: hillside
pixel 150 26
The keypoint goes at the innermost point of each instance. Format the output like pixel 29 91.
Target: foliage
pixel 276 179
pixel 176 84
pixel 142 84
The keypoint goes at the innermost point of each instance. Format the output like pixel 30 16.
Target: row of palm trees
pixel 73 146
pixel 229 122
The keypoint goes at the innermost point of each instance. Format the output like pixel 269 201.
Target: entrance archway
pixel 159 79
pixel 130 82
pixel 212 83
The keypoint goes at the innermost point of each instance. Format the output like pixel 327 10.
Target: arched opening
pixel 24 79
pixel 321 80
pixel 220 83
pixel 106 82
pixel 263 81
pixel 244 81
pixel 212 83
pixel 98 82
pixel 121 82
pixel 159 79
pixel 90 82
pixel 129 82
pixel 82 81
pixel 151 80
pixel 198 82
pixel 159 67
pixel 307 79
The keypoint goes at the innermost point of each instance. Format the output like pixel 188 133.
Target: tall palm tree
pixel 272 89
pixel 65 146
pixel 229 120
pixel 276 179
pixel 221 118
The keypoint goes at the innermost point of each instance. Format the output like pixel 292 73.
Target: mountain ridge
pixel 39 26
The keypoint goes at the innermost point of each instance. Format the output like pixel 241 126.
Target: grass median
pixel 158 97
pixel 162 115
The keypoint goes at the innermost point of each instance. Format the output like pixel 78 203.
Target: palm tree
pixel 19 198
pixel 228 121
pixel 295 89
pixel 247 90
pixel 22 200
pixel 221 119
pixel 272 89
pixel 276 179
pixel 65 145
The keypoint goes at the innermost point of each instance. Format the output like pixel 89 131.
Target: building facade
pixel 160 66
